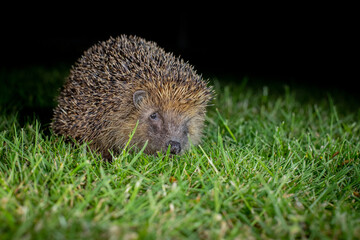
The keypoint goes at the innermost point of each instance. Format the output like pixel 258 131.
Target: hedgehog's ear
pixel 138 96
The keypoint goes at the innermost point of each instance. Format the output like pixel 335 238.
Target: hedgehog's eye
pixel 154 116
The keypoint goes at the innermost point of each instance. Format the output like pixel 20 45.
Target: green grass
pixel 276 162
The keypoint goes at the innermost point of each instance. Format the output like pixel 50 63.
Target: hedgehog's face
pixel 163 129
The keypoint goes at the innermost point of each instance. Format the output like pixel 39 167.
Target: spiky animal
pixel 125 80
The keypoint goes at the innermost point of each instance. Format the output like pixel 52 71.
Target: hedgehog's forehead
pixel 184 98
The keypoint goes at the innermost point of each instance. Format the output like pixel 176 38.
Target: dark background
pixel 310 45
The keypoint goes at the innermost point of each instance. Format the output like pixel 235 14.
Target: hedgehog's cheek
pixel 155 136
pixel 155 128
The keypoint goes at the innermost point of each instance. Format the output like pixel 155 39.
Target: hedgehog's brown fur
pixel 124 80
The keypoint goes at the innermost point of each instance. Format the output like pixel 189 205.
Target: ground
pixel 276 162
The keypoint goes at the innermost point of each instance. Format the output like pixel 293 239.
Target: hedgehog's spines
pixel 96 102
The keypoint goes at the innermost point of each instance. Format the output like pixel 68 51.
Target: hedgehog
pixel 128 83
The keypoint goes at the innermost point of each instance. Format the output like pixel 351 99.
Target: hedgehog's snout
pixel 175 147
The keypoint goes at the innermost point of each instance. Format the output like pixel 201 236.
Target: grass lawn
pixel 276 162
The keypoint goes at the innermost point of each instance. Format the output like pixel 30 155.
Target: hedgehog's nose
pixel 175 147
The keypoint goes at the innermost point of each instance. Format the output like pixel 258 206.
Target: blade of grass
pixel 226 126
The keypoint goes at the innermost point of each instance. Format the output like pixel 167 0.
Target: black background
pixel 311 45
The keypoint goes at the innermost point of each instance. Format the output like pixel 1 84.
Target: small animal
pixel 127 82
